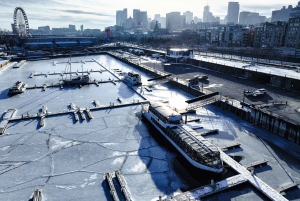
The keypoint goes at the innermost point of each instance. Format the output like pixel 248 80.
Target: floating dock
pixel 110 182
pixel 20 64
pixel 271 193
pixel 123 185
pixel 256 164
pixel 209 189
pixel 5 119
pixel 73 110
pixel 231 146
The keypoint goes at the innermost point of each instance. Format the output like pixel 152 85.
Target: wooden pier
pixel 123 185
pixel 110 182
pixel 286 187
pixel 256 164
pixel 232 146
pixel 243 176
pixel 271 193
pixel 210 132
pixel 5 119
pixel 209 189
pixel 73 110
pixel 61 86
pixel 66 73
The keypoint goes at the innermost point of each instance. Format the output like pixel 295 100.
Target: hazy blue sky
pixel 100 13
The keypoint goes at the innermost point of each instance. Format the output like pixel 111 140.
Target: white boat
pixel 197 150
pixel 132 77
pixel 18 88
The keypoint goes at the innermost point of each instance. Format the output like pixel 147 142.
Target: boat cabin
pixel 165 114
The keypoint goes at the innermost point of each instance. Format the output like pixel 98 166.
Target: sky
pixel 98 14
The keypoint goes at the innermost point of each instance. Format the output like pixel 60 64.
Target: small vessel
pixel 18 88
pixel 36 196
pixel 78 80
pixel 133 78
pixel 196 149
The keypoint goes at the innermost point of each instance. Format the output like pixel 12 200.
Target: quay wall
pixel 281 81
pixel 281 126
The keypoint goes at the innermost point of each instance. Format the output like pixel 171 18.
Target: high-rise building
pixel 140 16
pixel 251 18
pixel 163 22
pixel 243 17
pixel 157 17
pixel 135 15
pixel 81 28
pixel 206 14
pixel 188 16
pixel 72 27
pixel 233 12
pixel 124 15
pixel 121 17
pixel 174 21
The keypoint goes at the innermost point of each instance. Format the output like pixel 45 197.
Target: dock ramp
pixel 202 101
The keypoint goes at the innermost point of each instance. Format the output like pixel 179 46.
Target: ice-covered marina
pixel 67 159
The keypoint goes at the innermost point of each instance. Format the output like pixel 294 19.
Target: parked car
pixel 262 91
pixel 203 77
pixel 248 93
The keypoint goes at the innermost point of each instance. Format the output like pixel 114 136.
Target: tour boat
pixel 196 149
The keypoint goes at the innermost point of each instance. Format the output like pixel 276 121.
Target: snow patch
pixel 93 177
pixel 140 166
pixel 58 143
pixel 66 187
pixel 4 148
pixel 117 160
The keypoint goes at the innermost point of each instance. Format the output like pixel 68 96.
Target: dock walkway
pixel 209 189
pixel 271 193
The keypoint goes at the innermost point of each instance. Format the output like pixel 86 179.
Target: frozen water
pixel 67 159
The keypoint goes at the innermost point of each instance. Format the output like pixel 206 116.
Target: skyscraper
pixel 175 21
pixel 243 17
pixel 121 17
pixel 206 14
pixel 188 16
pixel 157 17
pixel 140 16
pixel 233 12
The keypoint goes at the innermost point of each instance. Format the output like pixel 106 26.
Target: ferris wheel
pixel 21 22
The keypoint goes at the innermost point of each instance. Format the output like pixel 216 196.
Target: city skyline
pixel 99 14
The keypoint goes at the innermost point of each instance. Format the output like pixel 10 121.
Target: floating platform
pixel 110 182
pixel 271 193
pixel 9 114
pixel 256 164
pixel 123 185
pixel 209 189
pixel 20 64
pixel 210 132
pixel 232 146
pixel 286 187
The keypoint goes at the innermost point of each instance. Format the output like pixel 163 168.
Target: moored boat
pixel 197 150
pixel 133 78
pixel 18 88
